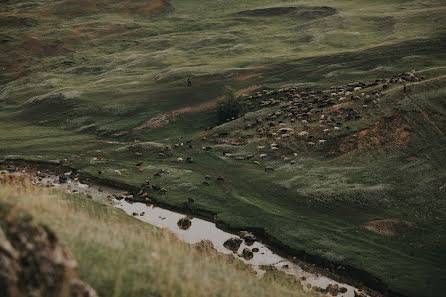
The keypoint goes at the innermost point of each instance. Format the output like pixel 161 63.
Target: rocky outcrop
pixel 33 262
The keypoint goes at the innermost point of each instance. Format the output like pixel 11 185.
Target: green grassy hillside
pixel 144 262
pixel 85 79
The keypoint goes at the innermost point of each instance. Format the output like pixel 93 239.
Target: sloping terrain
pixel 330 159
pixel 116 262
pixel 34 262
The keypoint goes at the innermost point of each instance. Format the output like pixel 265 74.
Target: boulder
pixel 247 254
pixel 184 223
pixel 233 244
pixel 248 237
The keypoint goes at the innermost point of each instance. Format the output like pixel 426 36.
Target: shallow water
pixel 198 231
pixel 204 230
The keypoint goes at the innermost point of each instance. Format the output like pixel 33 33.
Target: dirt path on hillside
pixel 162 119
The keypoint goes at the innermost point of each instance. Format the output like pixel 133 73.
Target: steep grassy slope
pixel 143 262
pixel 85 79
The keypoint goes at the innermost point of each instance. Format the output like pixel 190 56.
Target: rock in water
pixel 247 254
pixel 62 179
pixel 34 262
pixel 248 237
pixel 233 244
pixel 184 223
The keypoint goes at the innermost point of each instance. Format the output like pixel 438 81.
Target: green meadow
pixel 86 79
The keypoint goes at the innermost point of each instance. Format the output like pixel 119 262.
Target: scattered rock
pixel 248 237
pixel 247 254
pixel 184 223
pixel 233 244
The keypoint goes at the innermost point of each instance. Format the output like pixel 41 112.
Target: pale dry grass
pixel 120 256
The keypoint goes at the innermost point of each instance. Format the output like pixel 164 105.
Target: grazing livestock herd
pixel 301 115
pixel 296 119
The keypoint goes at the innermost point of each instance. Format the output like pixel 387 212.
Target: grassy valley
pixel 100 86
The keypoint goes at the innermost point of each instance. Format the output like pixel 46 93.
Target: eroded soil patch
pixel 163 119
pixel 388 227
pixel 389 131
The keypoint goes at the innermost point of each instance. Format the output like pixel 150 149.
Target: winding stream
pixel 198 231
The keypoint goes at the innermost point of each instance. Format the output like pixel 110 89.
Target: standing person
pixel 404 89
pixel 189 83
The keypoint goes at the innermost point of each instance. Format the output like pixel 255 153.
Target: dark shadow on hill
pixel 312 12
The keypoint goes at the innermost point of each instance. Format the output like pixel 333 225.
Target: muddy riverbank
pixel 320 273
